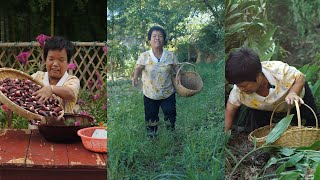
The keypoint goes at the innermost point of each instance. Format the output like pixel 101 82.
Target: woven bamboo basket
pixel 261 133
pixel 12 73
pixel 300 136
pixel 190 82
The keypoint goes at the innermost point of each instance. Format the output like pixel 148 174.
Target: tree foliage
pixel 78 20
pixel 299 27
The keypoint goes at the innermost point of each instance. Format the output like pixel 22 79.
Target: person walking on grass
pixel 261 86
pixel 157 67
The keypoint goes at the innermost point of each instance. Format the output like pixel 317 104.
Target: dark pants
pixel 259 118
pixel 151 111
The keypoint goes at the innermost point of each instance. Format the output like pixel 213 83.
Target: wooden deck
pixel 25 154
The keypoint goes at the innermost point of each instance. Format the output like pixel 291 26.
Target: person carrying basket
pixel 157 67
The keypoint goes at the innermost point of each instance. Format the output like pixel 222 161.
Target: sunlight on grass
pixel 192 151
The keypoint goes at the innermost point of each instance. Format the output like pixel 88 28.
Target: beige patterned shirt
pixel 156 76
pixel 279 74
pixel 71 82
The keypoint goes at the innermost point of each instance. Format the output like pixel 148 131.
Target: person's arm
pixel 64 92
pixel 176 65
pixel 176 68
pixel 137 71
pixel 230 112
pixel 295 90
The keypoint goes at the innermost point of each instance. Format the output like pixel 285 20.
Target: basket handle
pixel 299 116
pixel 182 64
pixel 298 112
pixel 288 111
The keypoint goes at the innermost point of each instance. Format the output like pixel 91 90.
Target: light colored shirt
pixel 279 74
pixel 72 82
pixel 156 74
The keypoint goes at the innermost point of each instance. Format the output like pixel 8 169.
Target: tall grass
pixel 193 151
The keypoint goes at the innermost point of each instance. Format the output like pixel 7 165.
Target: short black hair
pixel 157 28
pixel 242 65
pixel 58 43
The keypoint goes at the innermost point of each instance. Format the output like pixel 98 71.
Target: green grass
pixel 193 151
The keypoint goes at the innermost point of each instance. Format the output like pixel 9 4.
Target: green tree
pixel 79 20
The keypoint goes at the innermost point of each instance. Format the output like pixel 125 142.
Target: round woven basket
pixel 261 133
pixel 15 74
pixel 300 136
pixel 294 136
pixel 187 83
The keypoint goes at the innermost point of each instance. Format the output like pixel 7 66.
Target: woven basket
pixel 261 133
pixel 190 82
pixel 15 74
pixel 300 136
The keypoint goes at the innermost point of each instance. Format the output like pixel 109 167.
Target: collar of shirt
pixel 155 59
pixel 269 77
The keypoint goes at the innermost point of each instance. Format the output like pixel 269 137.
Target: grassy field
pixel 193 151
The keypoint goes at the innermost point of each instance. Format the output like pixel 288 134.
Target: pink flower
pixel 104 107
pixel 105 49
pixel 72 66
pixel 81 102
pixel 23 57
pixel 42 39
pixel 5 108
pixel 99 84
pixel 96 96
pixel 90 84
pixel 77 123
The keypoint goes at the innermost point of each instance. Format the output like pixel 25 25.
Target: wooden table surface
pixel 28 152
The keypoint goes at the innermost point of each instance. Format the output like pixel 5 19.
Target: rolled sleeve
pixel 234 96
pixel 74 83
pixel 288 74
pixel 142 59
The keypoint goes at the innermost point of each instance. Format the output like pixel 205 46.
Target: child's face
pixel 248 87
pixel 57 63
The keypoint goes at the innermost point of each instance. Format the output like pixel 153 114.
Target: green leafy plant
pixel 246 24
pixel 11 120
pixel 312 76
pixel 94 102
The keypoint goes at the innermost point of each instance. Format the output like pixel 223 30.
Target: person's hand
pixel 134 82
pixel 178 79
pixel 291 97
pixel 43 94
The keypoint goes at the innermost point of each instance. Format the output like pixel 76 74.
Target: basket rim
pixel 251 137
pixel 182 90
pixel 79 132
pixel 16 108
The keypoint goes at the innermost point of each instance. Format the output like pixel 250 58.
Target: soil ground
pixel 239 146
